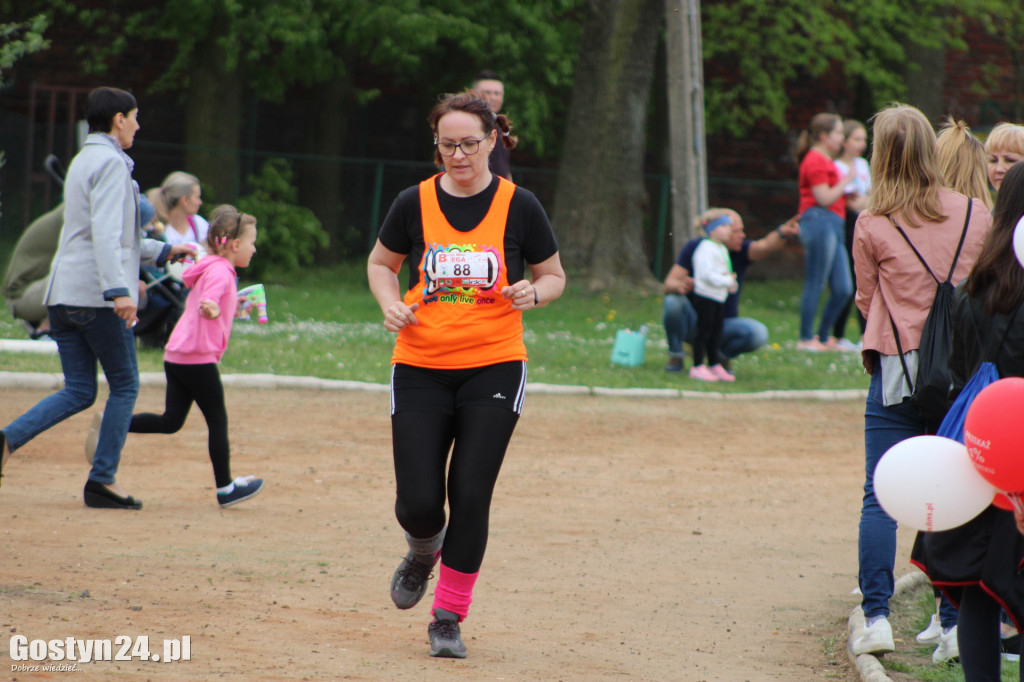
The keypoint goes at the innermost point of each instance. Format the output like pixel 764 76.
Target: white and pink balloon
pixel 933 483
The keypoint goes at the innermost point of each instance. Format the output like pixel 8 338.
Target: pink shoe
pixel 702 373
pixel 722 373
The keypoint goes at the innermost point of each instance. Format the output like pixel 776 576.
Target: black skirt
pixel 986 551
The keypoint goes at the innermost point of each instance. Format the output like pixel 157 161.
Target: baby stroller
pixel 161 304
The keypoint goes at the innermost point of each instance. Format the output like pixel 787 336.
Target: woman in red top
pixel 459 366
pixel 822 215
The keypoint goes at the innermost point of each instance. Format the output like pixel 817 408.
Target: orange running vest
pixel 464 321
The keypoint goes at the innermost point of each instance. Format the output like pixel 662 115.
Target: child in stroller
pixel 161 293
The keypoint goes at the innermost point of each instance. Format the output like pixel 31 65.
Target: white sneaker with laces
pixel 931 634
pixel 875 639
pixel 948 649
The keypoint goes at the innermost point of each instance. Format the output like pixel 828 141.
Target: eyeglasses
pixel 468 147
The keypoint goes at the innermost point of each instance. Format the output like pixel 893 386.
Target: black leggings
pixel 978 636
pixel 481 435
pixel 201 384
pixel 710 319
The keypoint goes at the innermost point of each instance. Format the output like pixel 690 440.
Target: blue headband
pixel 718 222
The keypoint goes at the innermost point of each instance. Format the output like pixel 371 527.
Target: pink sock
pixel 454 591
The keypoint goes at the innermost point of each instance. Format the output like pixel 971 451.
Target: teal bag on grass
pixel 628 349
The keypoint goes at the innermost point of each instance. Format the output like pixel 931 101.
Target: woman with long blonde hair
pixel 895 293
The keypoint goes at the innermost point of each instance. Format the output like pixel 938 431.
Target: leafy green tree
pixel 1004 21
pixel 756 48
pixel 289 235
pixel 19 39
pixel 226 48
pixel 428 48
pixel 220 48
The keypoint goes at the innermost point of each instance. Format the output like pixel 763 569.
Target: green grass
pixel 325 323
pixel 910 615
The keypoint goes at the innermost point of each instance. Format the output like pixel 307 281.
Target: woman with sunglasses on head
pixel 177 201
pixel 459 365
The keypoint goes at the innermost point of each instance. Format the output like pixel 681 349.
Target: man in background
pixel 489 84
pixel 739 334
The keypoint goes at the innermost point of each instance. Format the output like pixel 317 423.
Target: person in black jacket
pixel 976 564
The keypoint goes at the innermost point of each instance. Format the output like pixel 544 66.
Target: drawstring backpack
pixel 930 392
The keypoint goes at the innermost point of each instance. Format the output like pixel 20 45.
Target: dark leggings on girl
pixel 710 319
pixel 421 443
pixel 187 384
pixel 978 636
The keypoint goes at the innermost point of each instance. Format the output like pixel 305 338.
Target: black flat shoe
pixel 98 497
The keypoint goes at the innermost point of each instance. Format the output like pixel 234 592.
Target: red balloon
pixel 1003 502
pixel 993 434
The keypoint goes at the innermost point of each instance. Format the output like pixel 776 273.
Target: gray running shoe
pixel 409 583
pixel 445 636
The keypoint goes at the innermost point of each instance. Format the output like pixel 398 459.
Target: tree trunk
pixel 685 85
pixel 324 135
pixel 599 200
pixel 213 124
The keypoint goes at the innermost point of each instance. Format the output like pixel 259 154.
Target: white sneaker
pixel 948 649
pixel 876 639
pixel 847 345
pixel 931 634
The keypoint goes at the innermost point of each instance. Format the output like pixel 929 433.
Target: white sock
pixel 874 619
pixel 227 490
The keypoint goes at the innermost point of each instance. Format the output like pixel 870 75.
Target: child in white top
pixel 713 281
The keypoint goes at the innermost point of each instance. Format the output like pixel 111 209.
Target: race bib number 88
pixel 465 269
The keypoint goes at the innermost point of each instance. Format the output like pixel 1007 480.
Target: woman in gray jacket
pixel 92 294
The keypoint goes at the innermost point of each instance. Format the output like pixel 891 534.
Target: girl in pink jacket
pixel 198 342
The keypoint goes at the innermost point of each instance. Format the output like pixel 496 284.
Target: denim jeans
pixel 83 336
pixel 739 334
pixel 883 428
pixel 825 260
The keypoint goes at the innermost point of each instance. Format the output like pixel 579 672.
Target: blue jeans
pixel 825 260
pixel 83 336
pixel 739 334
pixel 883 428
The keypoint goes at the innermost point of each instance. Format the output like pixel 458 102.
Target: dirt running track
pixel 631 539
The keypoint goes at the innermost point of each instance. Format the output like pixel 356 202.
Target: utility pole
pixel 688 157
